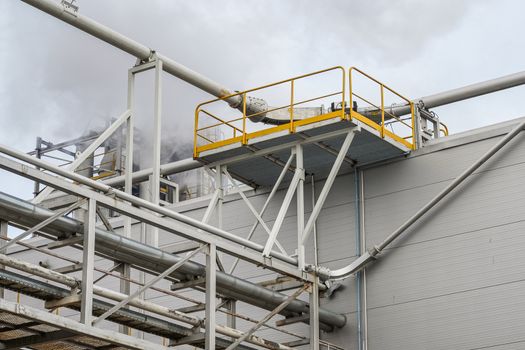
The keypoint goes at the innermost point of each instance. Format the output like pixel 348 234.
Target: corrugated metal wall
pixel 457 279
pixel 454 281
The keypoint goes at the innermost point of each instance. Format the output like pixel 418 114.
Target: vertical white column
pixel 3 233
pixel 211 271
pixel 88 262
pixel 362 232
pixel 157 133
pixel 219 187
pixel 300 206
pixel 314 315
pixel 125 271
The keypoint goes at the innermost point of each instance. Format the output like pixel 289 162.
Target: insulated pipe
pixel 165 169
pixel 143 175
pixel 144 53
pixel 459 94
pixel 139 202
pixel 154 259
pixel 364 259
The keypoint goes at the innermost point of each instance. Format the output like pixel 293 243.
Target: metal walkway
pixel 255 153
pixel 16 330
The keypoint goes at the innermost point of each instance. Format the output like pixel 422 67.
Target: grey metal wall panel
pixel 454 281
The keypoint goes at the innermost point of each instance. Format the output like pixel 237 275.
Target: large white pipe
pixel 127 250
pixel 128 45
pixel 456 95
pixel 165 169
pixel 144 53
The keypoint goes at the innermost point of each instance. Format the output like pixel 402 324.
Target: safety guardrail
pixel 235 130
pixel 379 117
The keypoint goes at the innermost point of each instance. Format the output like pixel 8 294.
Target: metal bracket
pixel 70 7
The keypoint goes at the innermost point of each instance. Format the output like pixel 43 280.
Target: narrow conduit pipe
pixel 371 254
pixel 154 259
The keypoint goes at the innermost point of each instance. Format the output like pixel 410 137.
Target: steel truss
pixel 92 195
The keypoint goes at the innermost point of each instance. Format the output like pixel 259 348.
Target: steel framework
pixel 196 261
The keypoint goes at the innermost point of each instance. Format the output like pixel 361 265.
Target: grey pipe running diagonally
pixel 129 251
pixel 143 53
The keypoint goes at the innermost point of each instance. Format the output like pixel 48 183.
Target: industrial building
pixel 343 219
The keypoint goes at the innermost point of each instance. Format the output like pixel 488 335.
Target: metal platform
pixel 42 333
pixel 259 163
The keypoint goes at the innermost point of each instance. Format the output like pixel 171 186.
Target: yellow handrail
pixel 381 127
pixel 291 125
pixel 444 129
pixel 242 135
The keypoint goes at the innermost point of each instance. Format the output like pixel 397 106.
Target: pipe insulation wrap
pixel 151 258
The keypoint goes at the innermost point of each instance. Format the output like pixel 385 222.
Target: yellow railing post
pixel 343 91
pixel 382 111
pixel 244 138
pixel 413 119
pixel 351 93
pixel 292 126
pixel 195 153
pixel 243 135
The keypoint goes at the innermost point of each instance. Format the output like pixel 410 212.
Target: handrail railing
pixel 238 124
pixel 244 134
pixel 407 140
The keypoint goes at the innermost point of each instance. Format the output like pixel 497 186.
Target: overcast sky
pixel 58 82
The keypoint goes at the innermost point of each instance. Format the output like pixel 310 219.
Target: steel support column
pixel 86 306
pixel 157 134
pixel 314 314
pixel 211 274
pixel 299 162
pixel 3 234
pixel 328 184
pixel 125 271
pixel 219 187
pixel 282 213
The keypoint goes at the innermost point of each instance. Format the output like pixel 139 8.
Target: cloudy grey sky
pixel 58 82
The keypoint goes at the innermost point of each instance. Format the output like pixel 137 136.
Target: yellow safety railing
pixel 240 134
pixel 238 128
pixel 444 129
pixel 378 110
